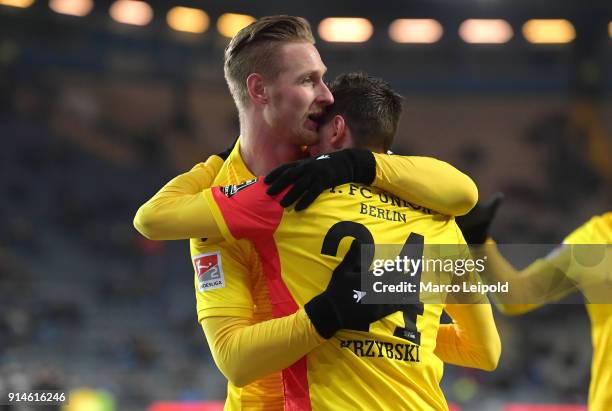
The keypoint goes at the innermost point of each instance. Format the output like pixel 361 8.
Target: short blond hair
pixel 252 51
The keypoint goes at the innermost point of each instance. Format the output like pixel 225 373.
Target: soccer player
pixel 397 361
pixel 403 344
pixel 582 263
pixel 293 82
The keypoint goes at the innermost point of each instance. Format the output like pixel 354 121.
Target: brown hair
pixel 252 50
pixel 370 107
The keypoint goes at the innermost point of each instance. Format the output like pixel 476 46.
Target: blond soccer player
pixel 256 343
pixel 401 355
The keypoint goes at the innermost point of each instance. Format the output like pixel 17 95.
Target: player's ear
pixel 339 138
pixel 256 88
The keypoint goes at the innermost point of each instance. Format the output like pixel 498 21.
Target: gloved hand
pixel 312 176
pixel 338 306
pixel 475 224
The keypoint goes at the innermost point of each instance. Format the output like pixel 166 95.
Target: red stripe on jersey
pixel 252 214
pixel 249 212
pixel 295 377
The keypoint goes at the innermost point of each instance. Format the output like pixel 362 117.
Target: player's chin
pixel 308 136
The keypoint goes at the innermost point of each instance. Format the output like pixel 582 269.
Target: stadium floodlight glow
pixel 423 31
pixel 485 31
pixel 610 28
pixel 550 31
pixel 229 24
pixel 346 29
pixel 77 8
pixel 22 4
pixel 137 13
pixel 188 19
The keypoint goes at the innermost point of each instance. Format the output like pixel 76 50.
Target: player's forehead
pixel 300 59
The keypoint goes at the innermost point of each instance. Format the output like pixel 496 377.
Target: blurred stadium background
pixel 102 102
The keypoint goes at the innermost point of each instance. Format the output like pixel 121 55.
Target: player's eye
pixel 307 80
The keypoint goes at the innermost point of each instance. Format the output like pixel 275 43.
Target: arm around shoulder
pixel 179 210
pixel 472 339
pixel 427 182
pixel 245 351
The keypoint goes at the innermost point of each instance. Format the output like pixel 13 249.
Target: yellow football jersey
pixel 390 366
pixel 598 230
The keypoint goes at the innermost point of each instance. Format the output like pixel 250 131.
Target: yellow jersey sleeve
pixel 472 339
pixel 179 211
pixel 590 265
pixel 245 351
pixel 427 182
pixel 556 275
pixel 223 280
pixel 598 230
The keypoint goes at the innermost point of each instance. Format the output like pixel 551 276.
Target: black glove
pixel 312 176
pixel 225 154
pixel 338 307
pixel 475 224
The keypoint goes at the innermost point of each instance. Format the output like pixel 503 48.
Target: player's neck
pixel 262 154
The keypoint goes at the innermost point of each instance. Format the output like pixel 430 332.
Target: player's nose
pixel 324 97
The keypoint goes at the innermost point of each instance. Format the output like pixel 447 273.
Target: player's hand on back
pixel 339 306
pixel 311 176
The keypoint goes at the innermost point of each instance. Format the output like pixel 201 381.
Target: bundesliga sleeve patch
pixel 233 189
pixel 209 271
